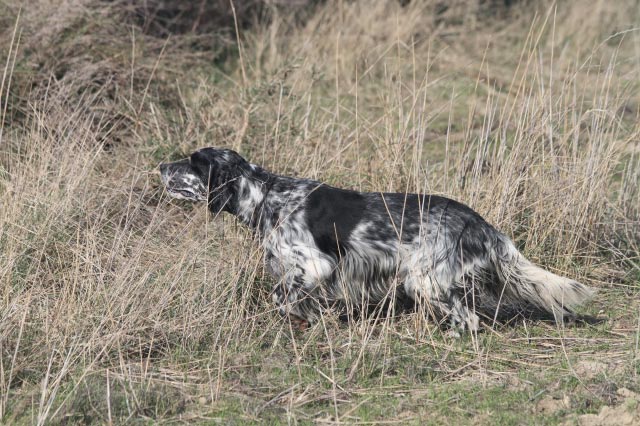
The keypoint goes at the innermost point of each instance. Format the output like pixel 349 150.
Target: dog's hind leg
pixel 440 301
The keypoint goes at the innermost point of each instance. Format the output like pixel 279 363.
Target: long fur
pixel 328 246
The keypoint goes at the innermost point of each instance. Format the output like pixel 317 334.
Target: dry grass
pixel 119 306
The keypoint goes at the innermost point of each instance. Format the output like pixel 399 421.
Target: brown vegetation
pixel 115 309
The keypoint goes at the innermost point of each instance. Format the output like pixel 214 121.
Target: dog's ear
pixel 221 168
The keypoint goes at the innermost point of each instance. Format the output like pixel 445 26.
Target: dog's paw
pixel 298 323
pixel 452 333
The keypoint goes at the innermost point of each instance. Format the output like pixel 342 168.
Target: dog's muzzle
pixel 182 181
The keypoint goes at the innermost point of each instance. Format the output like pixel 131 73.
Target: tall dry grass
pixel 119 305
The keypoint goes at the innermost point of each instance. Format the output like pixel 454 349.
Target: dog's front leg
pixel 296 301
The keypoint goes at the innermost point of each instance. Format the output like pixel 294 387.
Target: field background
pixel 118 305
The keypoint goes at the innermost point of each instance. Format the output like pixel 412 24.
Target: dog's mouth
pixel 184 194
pixel 182 182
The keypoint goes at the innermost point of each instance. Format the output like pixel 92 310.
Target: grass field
pixel 118 305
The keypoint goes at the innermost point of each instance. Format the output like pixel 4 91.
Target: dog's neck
pixel 250 197
pixel 263 200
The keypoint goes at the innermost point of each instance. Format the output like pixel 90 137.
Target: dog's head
pixel 209 174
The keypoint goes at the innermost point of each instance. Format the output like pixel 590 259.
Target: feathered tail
pixel 528 284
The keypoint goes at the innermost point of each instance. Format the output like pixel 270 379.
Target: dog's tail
pixel 527 284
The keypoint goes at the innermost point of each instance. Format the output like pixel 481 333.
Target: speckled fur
pixel 327 246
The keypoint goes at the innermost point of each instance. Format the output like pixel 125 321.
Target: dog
pixel 327 246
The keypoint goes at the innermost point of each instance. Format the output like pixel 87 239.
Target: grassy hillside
pixel 118 305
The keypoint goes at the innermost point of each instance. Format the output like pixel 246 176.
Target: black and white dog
pixel 328 246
